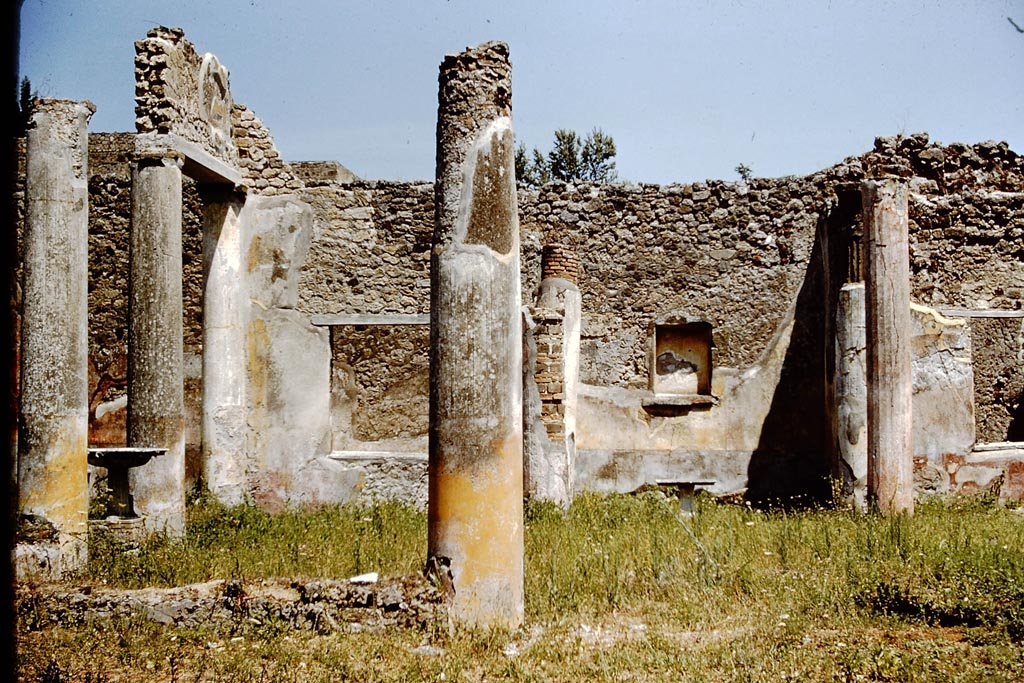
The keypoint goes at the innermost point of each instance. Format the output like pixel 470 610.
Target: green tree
pixel 532 168
pixel 598 157
pixel 564 158
pixel 24 106
pixel 572 159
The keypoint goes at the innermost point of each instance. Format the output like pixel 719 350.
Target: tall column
pixel 225 349
pixel 53 438
pixel 475 508
pixel 156 394
pixel 887 317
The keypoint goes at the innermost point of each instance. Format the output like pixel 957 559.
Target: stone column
pixel 156 403
pixel 851 392
pixel 475 537
pixel 887 315
pixel 225 349
pixel 53 437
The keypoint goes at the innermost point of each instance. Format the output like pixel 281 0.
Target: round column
pixel 475 538
pixel 53 436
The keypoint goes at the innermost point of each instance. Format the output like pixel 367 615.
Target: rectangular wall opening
pixel 682 361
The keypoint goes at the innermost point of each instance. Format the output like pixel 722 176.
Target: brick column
pixel 553 344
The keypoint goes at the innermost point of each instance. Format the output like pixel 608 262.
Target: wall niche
pixel 680 365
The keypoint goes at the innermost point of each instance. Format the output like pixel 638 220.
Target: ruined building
pixel 266 324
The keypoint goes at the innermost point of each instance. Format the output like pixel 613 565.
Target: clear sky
pixel 688 89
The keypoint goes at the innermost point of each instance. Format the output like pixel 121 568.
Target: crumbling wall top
pixel 180 92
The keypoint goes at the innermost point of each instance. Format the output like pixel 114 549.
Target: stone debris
pixel 322 605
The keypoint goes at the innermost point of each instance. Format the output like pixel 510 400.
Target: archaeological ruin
pixel 196 313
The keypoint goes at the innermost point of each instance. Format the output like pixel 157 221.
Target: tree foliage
pixel 24 105
pixel 572 159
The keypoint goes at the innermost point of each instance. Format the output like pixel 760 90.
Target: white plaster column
pixel 889 371
pixel 851 390
pixel 156 412
pixel 225 349
pixel 53 437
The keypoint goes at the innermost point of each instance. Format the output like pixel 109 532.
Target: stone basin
pixel 125 457
pixel 117 461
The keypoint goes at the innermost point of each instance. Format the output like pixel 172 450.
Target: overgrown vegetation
pixel 618 588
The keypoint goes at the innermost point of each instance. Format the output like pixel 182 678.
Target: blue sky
pixel 687 89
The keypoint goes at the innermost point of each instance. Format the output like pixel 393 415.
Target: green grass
pixel 246 543
pixel 617 588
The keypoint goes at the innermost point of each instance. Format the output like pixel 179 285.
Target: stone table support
pixel 889 372
pixel 475 500
pixel 54 432
pixel 155 353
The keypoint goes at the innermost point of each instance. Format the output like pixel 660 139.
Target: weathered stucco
pixel 475 497
pixel 53 431
pixel 339 411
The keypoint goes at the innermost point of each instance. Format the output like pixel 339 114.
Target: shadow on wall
pixel 1016 430
pixel 792 464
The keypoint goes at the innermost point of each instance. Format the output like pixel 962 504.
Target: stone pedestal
pixel 130 532
pixel 475 538
pixel 53 488
pixel 156 404
pixel 889 376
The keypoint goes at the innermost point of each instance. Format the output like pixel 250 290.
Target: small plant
pixel 101 500
pixel 745 172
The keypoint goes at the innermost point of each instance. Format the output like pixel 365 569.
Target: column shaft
pixel 225 348
pixel 156 413
pixel 53 437
pixel 475 504
pixel 851 392
pixel 553 348
pixel 889 374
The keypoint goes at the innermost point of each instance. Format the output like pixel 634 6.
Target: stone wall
pixel 999 378
pixel 370 250
pixel 178 91
pixel 730 254
pixel 388 370
pixel 757 260
pixel 748 258
pixel 319 172
pixel 264 170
